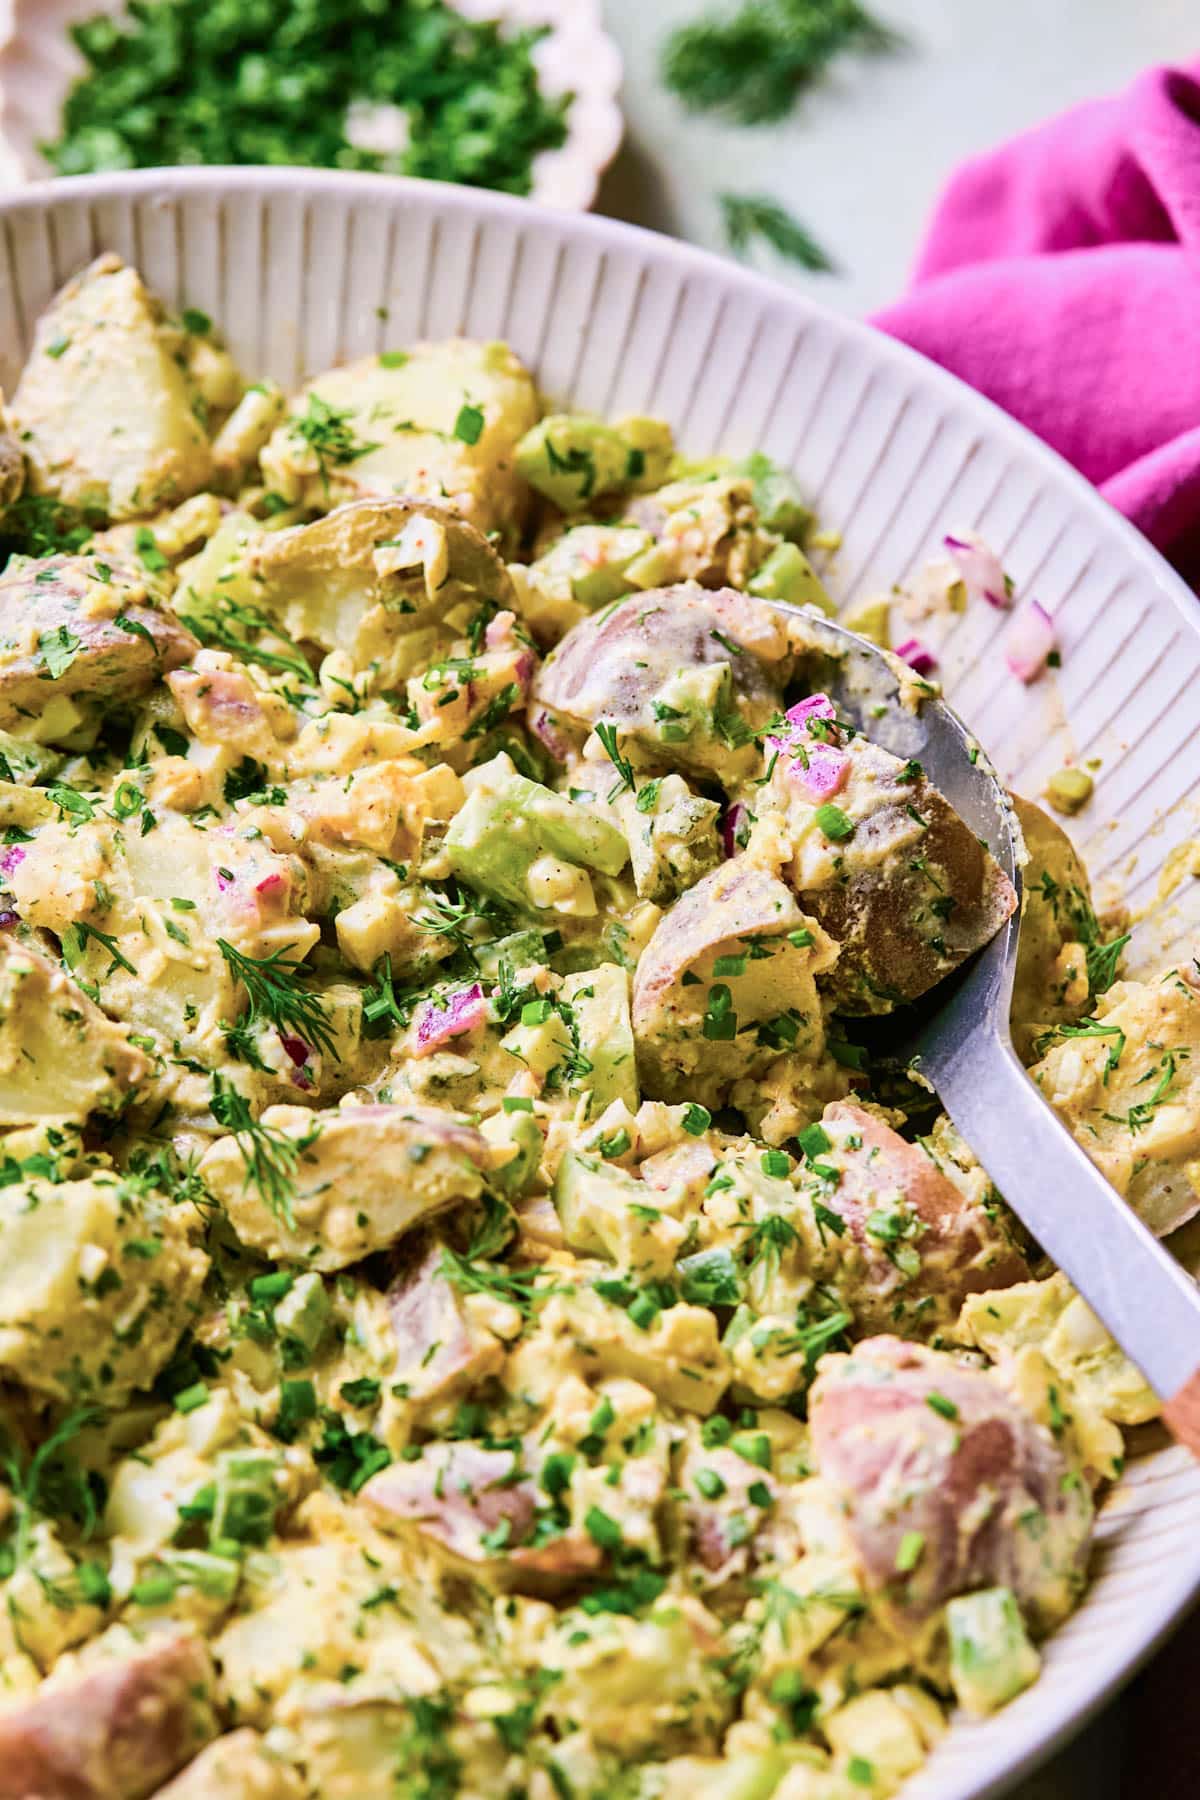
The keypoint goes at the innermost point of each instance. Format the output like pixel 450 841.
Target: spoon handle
pixel 1148 1303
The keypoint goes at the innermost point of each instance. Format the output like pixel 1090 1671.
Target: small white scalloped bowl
pixel 302 269
pixel 39 64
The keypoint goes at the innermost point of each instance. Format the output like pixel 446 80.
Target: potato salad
pixel 481 1315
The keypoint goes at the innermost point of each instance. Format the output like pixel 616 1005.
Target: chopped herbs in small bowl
pixel 517 95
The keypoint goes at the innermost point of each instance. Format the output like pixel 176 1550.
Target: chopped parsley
pixel 330 436
pixel 193 82
pixel 58 650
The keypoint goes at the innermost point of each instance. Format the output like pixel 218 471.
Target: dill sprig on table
pixel 755 62
pixel 752 216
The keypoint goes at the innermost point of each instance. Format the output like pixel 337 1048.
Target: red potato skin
pixel 456 1499
pixel 612 665
pixel 564 1559
pixel 436 1353
pixel 964 1482
pixel 735 901
pixel 691 1164
pixel 434 1124
pixel 963 1251
pixel 222 706
pixel 116 1733
pixel 892 947
pixel 110 663
pixel 709 1526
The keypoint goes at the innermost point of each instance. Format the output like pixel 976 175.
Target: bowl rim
pixel 1166 1607
pixel 37 196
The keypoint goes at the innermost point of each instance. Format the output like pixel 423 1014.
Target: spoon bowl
pixel 958 1041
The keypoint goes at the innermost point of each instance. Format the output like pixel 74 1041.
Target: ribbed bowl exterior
pixel 303 270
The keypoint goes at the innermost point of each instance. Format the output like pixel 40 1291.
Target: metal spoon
pixel 963 1047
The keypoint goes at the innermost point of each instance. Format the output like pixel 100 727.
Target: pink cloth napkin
pixel 1061 277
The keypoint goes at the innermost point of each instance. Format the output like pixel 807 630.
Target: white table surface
pixel 861 163
pixel 863 157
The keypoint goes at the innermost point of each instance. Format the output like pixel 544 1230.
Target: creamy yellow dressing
pixel 473 1320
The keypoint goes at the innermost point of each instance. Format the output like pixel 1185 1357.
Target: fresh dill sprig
pixel 765 1242
pixel 612 748
pixel 326 431
pixel 273 988
pixel 517 1287
pixel 215 630
pixel 756 62
pixel 1143 1111
pixel 83 932
pixel 1091 1028
pixel 454 918
pixel 780 1605
pixel 242 1045
pixel 814 1336
pixel 509 997
pixel 494 1231
pixel 50 1484
pixel 1102 958
pixel 271 1157
pixel 749 217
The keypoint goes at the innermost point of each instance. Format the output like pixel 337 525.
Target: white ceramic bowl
pixel 296 267
pixel 39 64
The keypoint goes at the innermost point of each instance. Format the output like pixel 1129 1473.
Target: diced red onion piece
pixel 731 824
pixel 297 1049
pixel 920 660
pixel 463 1011
pixel 499 631
pixel 817 706
pixel 826 774
pixel 12 856
pixel 1030 642
pixel 8 920
pixel 980 569
pixel 548 735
